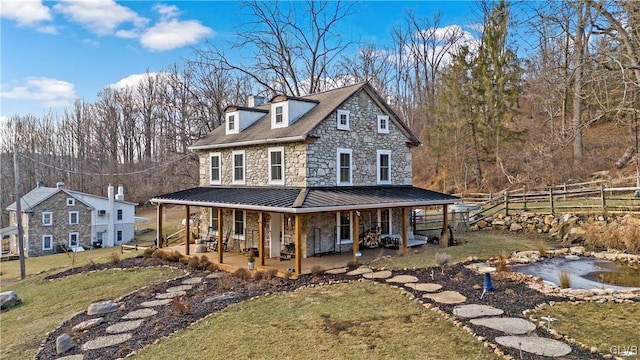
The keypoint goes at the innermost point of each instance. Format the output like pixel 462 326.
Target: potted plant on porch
pixel 252 260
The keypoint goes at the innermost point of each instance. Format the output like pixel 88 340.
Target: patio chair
pixel 225 242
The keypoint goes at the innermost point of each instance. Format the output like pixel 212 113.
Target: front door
pixel 275 234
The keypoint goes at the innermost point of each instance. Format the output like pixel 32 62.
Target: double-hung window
pixel 47 242
pixel 73 217
pixel 276 166
pixel 47 218
pixel 383 124
pixel 345 167
pixel 384 166
pixel 384 221
pixel 343 119
pixel 119 236
pixel 216 163
pixel 231 123
pixel 73 239
pixel 213 225
pixel 119 214
pixel 279 117
pixel 238 223
pixel 238 167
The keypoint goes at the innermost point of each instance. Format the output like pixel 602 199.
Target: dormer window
pixel 280 115
pixel 279 119
pixel 231 124
pixel 343 119
pixel 383 124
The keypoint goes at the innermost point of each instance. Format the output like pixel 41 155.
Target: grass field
pixel 341 321
pixel 45 304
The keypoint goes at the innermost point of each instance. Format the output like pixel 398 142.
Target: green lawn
pixel 340 321
pixel 603 325
pixel 45 304
pixel 482 245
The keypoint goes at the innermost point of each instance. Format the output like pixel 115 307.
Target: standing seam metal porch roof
pixel 306 200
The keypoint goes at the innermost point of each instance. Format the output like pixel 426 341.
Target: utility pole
pixel 16 173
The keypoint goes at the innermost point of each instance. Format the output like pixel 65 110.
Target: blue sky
pixel 52 52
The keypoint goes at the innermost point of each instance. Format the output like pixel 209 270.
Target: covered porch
pixel 309 213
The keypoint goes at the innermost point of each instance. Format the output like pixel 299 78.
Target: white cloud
pixel 47 29
pixel 167 11
pixel 99 16
pixel 25 12
pixel 51 92
pixel 128 34
pixel 172 34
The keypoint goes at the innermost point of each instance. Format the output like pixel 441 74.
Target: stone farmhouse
pixel 305 176
pixel 56 217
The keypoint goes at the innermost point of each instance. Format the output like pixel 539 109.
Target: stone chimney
pixel 255 100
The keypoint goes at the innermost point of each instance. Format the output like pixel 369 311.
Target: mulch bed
pixel 511 296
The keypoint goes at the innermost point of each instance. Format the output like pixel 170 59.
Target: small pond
pixel 584 273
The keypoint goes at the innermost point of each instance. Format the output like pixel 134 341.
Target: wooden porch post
pixel 187 230
pixel 220 236
pixel 159 237
pixel 260 238
pixel 445 226
pixel 404 229
pixel 298 234
pixel 356 235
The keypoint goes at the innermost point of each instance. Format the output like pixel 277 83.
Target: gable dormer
pixel 286 110
pixel 238 118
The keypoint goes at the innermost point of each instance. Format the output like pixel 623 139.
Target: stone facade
pixel 60 228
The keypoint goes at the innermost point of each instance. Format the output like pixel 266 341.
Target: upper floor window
pixel 383 124
pixel 238 167
pixel 345 168
pixel 232 124
pixel 215 178
pixel 119 214
pixel 279 118
pixel 47 242
pixel 73 217
pixel 343 119
pixel 384 166
pixel 47 218
pixel 71 201
pixel 276 166
pixel 231 120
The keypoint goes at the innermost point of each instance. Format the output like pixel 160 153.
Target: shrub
pixel 203 263
pixel 173 256
pixel 148 253
pixel 114 258
pixel 352 264
pixel 242 274
pixel 502 262
pixel 565 280
pixel 193 263
pixel 317 270
pixel 259 275
pixel 442 260
pixel 212 267
pixel 180 307
pixel 271 273
pixel 157 254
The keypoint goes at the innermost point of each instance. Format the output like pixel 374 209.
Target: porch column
pixel 298 235
pixel 220 236
pixel 404 229
pixel 260 238
pixel 445 226
pixel 356 235
pixel 159 237
pixel 187 230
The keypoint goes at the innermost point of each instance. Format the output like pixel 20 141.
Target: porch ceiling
pixel 306 200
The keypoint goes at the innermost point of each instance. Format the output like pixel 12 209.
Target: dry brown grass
pixel 503 261
pixel 613 236
pixel 541 246
pixel 565 280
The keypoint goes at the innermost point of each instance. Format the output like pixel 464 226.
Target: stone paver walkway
pixel 509 325
pixel 377 275
pixel 426 287
pixel 475 310
pixel 446 297
pixel 535 345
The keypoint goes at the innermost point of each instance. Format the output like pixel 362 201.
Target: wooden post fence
pixel 551 201
pixel 506 203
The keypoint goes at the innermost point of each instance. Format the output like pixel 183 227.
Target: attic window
pixel 71 201
pixel 343 119
pixel 232 122
pixel 383 124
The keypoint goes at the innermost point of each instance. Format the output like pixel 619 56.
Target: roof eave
pixel 250 142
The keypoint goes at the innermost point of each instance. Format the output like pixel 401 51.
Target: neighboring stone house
pixel 56 217
pixel 319 172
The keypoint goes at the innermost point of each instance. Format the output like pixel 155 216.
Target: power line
pixel 103 174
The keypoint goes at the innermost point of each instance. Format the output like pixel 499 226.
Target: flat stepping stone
pixel 86 325
pixel 72 357
pixel 336 271
pixel 359 271
pixel 377 275
pixel 403 279
pixel 215 275
pixel 535 345
pixel 105 341
pixel 192 281
pixel 509 325
pixel 171 295
pixel 139 314
pixel 178 288
pixel 427 287
pixel 102 307
pixel 476 310
pixel 446 297
pixel 154 303
pixel 124 326
pixel 221 297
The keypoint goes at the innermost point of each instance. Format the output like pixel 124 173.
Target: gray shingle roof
pixel 306 200
pixel 327 102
